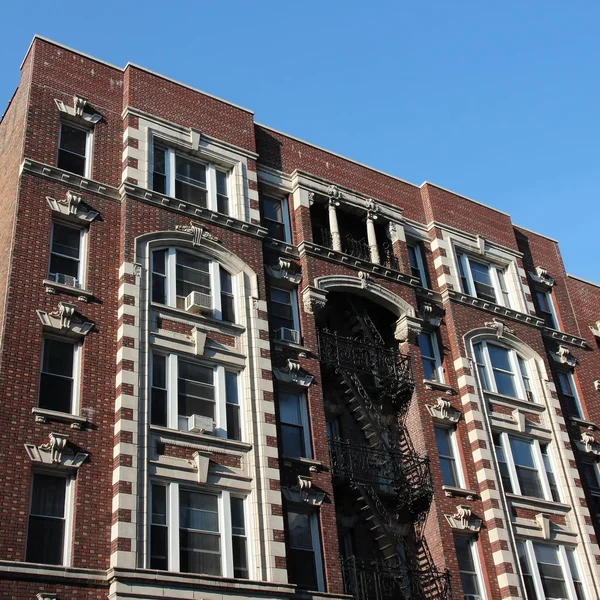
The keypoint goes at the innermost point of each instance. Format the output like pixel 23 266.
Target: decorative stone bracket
pixel 595 329
pixel 47 596
pixel 293 373
pixel 78 110
pixel 464 519
pixel 65 320
pixel 201 462
pixel 56 453
pixel 541 277
pixel 597 385
pixel 563 356
pixel 500 327
pixel 443 411
pixel 314 299
pixel 543 522
pixel 303 492
pixel 198 338
pixel 72 207
pixel 285 269
pixel 198 233
pixel 408 328
pixel 588 443
pixel 430 314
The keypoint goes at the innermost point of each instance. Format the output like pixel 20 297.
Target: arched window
pixel 192 282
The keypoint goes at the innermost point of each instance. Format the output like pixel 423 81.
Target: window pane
pixel 442 438
pixel 48 496
pixel 522 453
pixel 73 139
pixel 529 482
pixel 58 357
pixel 232 408
pixel 240 561
pixel 190 172
pixel 505 383
pixel 448 472
pixel 59 265
pixel 199 553
pixel 292 440
pixel 71 162
pixel 272 209
pixel 300 531
pixel 289 408
pixel 198 511
pixel 65 240
pixel 499 358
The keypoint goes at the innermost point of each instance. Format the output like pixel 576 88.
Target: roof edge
pixel 583 280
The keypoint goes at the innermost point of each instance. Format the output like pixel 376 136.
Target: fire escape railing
pixel 374 580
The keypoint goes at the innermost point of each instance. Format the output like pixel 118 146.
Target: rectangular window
pixel 198 183
pixel 227 297
pixel 546 308
pixel 274 213
pixel 47 527
pixel 574 568
pixel 483 280
pixel 58 375
pixel 568 394
pixel 66 255
pixel 74 147
pixel 547 458
pixel 504 473
pixel 284 314
pixel 430 357
pixel 304 562
pixel 192 275
pixel 193 396
pixel 446 447
pixel 189 532
pixel 416 263
pixel 293 419
pixel 468 566
pixel 527 471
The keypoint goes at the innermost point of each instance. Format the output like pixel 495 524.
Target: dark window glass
pixel 551 573
pixel 282 314
pixel 227 297
pixel 426 343
pixel 466 567
pixel 190 181
pixel 273 213
pixel 482 280
pixel 302 569
pixel 545 308
pixel 159 547
pixel 196 392
pixel 447 459
pixel 159 390
pixel 239 540
pixel 526 569
pixel 222 194
pixel 159 176
pixel 192 276
pixel 502 370
pixel 527 472
pixel 502 463
pixel 65 254
pixel 56 382
pixel 234 431
pixel 159 276
pixel 292 428
pixel 72 149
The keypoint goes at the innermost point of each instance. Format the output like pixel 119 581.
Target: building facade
pixel 236 365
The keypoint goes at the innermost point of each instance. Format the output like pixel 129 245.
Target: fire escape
pixel 392 482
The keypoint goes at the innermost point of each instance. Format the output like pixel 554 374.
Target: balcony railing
pixel 392 369
pixel 373 580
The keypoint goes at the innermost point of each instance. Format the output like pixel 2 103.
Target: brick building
pixel 236 365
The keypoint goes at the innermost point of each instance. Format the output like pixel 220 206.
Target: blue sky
pixel 496 101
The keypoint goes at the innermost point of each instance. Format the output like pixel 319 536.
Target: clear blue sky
pixel 498 101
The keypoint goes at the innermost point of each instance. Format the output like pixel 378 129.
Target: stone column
pixel 334 229
pixel 371 235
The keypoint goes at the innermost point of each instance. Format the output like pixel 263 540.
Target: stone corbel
pixel 408 328
pixel 443 411
pixel 335 193
pixel 464 519
pixel 313 299
pixel 79 110
pixel 303 492
pixel 195 137
pixel 519 419
pixel 71 207
pixel 293 373
pixel 198 338
pixel 481 245
pixel 47 596
pixel 597 385
pixel 541 277
pixel 372 209
pixel 588 443
pixel 563 356
pixel 65 320
pixel 543 522
pixel 58 452
pixel 595 329
pixel 429 313
pixel 285 269
pixel 201 462
pixel 198 233
pixel 500 327
pixel 395 232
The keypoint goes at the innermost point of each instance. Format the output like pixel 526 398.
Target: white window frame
pixel 437 357
pixel 225 526
pixel 75 392
pixel 538 461
pixel 88 146
pixel 83 241
pixel 68 512
pixel 564 565
pixel 313 516
pixel 513 358
pixel 472 542
pixel 569 375
pixel 465 262
pixel 294 305
pixel 285 215
pixel 418 247
pixel 460 476
pixel 220 387
pixel 211 176
pixel 214 274
pixel 549 300
pixel 304 421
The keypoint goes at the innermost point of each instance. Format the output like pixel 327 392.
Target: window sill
pixel 542 503
pixel 436 385
pixel 299 347
pixel 514 402
pixel 450 491
pixel 43 415
pixel 53 288
pixel 302 460
pixel 583 423
pixel 197 318
pixel 203 438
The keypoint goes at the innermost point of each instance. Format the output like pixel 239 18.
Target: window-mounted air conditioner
pixel 200 424
pixel 287 335
pixel 197 302
pixel 66 279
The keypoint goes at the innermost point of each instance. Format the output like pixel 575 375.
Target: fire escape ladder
pixel 361 321
pixel 434 584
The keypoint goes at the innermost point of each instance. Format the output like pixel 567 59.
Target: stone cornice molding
pixel 541 278
pixel 285 269
pixel 71 207
pixel 79 111
pixel 500 327
pixel 65 320
pixel 443 412
pixel 408 328
pixel 57 453
pixel 464 520
pixel 293 374
pixel 313 299
pixel 303 492
pixel 563 356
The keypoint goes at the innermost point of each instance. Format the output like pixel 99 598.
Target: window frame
pixel 88 147
pixel 172 525
pixel 170 281
pixel 473 549
pixel 82 260
pixel 294 306
pixel 551 313
pixel 503 297
pixel 570 377
pixel 417 245
pixel 304 421
pixel 437 356
pixel 212 201
pixel 67 510
pixel 453 443
pixel 220 429
pixel 287 234
pixel 76 379
pixel 532 564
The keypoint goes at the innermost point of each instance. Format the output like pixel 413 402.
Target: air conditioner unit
pixel 200 424
pixel 288 335
pixel 197 302
pixel 67 280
